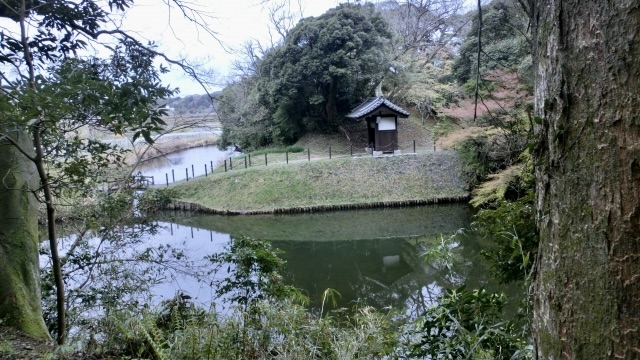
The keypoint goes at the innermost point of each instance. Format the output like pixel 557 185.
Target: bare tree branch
pixel 475 108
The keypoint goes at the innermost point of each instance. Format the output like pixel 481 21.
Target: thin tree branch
pixel 475 108
pixel 17 146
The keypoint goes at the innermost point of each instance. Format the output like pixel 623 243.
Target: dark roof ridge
pixel 373 103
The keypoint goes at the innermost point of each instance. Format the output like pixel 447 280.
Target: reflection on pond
pixel 338 225
pixel 371 256
pixel 374 257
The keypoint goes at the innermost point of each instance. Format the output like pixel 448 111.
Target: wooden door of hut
pixel 382 122
pixel 387 140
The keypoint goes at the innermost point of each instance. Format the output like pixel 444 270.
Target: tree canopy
pixel 505 43
pixel 50 88
pixel 325 66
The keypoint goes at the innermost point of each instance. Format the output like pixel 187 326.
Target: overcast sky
pixel 234 21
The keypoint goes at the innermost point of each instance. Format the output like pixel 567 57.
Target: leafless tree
pixel 283 16
pixel 422 25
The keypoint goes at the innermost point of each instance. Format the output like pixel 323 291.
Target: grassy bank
pixel 328 184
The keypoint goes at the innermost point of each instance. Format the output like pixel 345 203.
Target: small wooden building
pixel 381 116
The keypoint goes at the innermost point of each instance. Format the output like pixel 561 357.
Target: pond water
pixel 374 257
pixel 371 256
pixel 175 165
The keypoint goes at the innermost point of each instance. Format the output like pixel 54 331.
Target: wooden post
pixel 249 160
pixel 225 165
pixel 211 163
pixel 245 162
pixel 186 172
pixel 351 149
pixel 205 169
pixel 308 154
pixel 414 146
pixel 153 180
pixel 173 175
pixel 329 152
pixel 265 159
pixel 286 155
pixel 167 177
pixel 193 173
pixel 230 164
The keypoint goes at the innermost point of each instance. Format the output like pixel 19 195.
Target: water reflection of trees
pixel 388 271
pixel 112 268
pixel 381 273
pixel 117 266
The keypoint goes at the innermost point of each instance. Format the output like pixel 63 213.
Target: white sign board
pixel 386 123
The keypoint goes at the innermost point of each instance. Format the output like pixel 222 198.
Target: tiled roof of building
pixel 372 104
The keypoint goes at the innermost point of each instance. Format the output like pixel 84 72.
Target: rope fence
pixel 306 155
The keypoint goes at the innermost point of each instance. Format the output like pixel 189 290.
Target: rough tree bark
pixel 19 270
pixel 331 108
pixel 587 94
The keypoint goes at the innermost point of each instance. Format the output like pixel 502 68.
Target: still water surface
pixel 371 256
pixel 175 165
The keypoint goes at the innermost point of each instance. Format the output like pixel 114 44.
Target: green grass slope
pixel 326 184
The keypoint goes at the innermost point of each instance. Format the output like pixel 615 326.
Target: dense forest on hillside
pixel 423 55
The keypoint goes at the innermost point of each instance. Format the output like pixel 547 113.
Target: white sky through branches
pixel 234 21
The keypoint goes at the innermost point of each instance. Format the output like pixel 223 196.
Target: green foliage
pixel 325 66
pixel 153 200
pixel 244 121
pixel 512 183
pixel 270 323
pixel 117 95
pixel 426 87
pixel 467 324
pixel 278 150
pixel 484 90
pixel 330 294
pixel 504 44
pixel 7 350
pixel 498 148
pixel 443 127
pixel 285 330
pixel 253 272
pixel 474 155
pixel 65 94
pixel 442 257
pixel 512 229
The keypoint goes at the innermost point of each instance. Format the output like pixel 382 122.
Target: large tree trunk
pixel 331 108
pixel 587 93
pixel 19 270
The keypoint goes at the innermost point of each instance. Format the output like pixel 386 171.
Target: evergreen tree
pixel 324 68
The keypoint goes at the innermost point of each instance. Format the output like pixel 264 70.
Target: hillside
pixel 328 184
pixel 192 104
